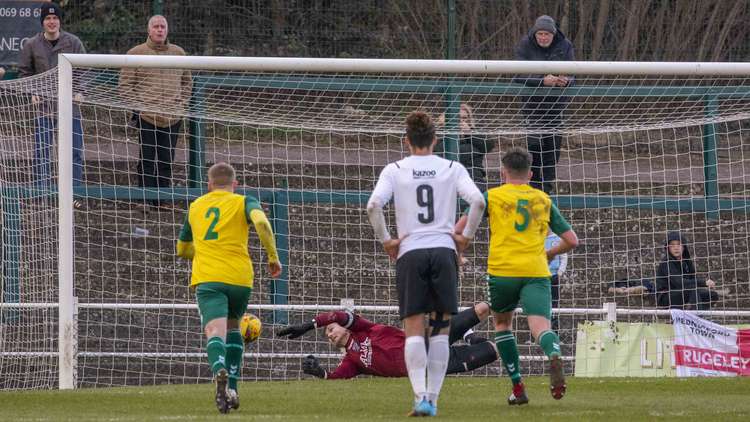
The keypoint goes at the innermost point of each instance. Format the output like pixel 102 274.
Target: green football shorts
pixel 221 300
pixel 534 294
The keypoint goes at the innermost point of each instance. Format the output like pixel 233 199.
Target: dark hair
pixel 419 129
pixel 221 174
pixel 517 161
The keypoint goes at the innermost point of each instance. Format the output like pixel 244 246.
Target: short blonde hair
pixel 221 174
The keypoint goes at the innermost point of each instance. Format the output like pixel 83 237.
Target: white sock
pixel 437 363
pixel 415 355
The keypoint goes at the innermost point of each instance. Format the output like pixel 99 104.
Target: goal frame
pixel 67 306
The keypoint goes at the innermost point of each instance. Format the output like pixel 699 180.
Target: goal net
pixel 644 150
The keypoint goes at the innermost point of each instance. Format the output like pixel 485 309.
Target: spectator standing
pixel 544 113
pixel 38 55
pixel 472 148
pixel 162 95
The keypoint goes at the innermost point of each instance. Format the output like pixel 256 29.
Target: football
pixel 250 327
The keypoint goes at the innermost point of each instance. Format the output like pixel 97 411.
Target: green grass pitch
pixel 464 398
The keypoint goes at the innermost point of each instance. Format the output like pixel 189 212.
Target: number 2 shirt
pixel 519 218
pixel 217 224
pixel 424 189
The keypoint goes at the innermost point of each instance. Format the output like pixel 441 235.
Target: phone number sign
pixel 19 21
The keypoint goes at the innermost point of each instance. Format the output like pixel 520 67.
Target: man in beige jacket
pixel 161 97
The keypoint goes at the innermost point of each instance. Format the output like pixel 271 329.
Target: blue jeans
pixel 43 136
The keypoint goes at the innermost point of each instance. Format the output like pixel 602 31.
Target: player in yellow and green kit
pixel 517 272
pixel 215 237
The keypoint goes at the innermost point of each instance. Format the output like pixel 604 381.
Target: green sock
pixel 550 343
pixel 216 354
pixel 506 345
pixel 235 349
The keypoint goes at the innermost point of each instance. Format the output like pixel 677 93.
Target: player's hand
pixel 35 99
pixel 274 268
pixel 391 247
pixel 461 260
pixel 462 242
pixel 710 283
pixel 562 81
pixel 311 366
pixel 294 331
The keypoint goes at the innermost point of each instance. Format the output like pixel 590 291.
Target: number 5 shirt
pixel 519 218
pixel 424 189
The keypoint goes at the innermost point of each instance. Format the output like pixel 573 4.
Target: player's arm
pixel 563 264
pixel 185 247
pixel 568 238
pixel 254 213
pixel 346 370
pixel 346 319
pixel 469 192
pixel 380 196
pixel 466 226
pixel 382 193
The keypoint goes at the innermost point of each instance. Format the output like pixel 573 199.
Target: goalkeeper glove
pixel 294 331
pixel 311 366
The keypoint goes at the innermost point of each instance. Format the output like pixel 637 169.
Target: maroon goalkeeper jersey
pixel 373 349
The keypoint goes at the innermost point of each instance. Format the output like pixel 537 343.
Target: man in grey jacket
pixel 38 55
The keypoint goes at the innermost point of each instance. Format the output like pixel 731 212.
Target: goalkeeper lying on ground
pixel 377 349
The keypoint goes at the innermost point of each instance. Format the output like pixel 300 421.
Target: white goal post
pixel 618 112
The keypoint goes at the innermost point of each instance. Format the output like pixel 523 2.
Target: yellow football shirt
pixel 217 225
pixel 519 218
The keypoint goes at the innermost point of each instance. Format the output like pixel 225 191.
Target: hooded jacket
pixel 677 274
pixel 561 49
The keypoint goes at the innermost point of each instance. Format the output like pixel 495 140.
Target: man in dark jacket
pixel 677 286
pixel 38 55
pixel 544 113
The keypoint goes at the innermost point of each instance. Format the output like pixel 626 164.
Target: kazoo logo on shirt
pixel 423 174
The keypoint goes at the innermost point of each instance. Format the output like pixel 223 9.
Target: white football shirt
pixel 424 189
